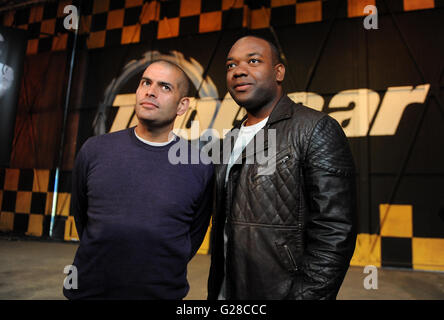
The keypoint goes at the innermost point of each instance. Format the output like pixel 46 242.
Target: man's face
pixel 158 96
pixel 252 77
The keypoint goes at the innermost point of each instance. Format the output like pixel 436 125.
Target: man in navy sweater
pixel 140 218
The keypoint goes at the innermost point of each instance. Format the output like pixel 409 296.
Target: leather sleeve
pixel 330 194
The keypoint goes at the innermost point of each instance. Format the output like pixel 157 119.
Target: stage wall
pixel 384 86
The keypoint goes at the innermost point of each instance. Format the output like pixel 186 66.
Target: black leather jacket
pixel 291 234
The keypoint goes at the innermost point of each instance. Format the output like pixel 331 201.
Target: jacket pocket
pixel 279 165
pixel 291 258
pixel 289 254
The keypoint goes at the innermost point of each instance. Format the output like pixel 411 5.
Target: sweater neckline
pixel 143 145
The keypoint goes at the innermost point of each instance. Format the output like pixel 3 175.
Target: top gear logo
pixel 354 109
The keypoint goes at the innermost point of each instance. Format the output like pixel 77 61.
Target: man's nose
pixel 151 91
pixel 240 71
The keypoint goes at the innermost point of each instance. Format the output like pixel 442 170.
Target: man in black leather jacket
pixel 289 233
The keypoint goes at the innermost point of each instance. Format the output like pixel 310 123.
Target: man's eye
pixel 254 61
pixel 230 65
pixel 144 83
pixel 167 88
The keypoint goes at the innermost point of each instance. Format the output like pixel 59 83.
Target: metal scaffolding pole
pixel 63 133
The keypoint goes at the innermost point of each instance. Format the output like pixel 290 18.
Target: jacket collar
pixel 282 110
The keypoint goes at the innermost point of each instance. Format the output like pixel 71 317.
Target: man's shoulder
pixel 104 141
pixel 303 112
pixel 204 159
pixel 194 159
pixel 305 120
pixel 109 137
pixel 313 118
pixel 301 118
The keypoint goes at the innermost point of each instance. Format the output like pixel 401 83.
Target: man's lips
pixel 148 105
pixel 242 86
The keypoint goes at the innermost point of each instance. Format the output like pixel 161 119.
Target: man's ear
pixel 183 105
pixel 280 72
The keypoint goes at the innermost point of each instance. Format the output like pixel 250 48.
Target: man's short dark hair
pixel 184 86
pixel 275 54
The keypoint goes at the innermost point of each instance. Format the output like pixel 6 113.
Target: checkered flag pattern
pixel 106 23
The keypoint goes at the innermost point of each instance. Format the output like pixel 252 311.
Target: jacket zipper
pixel 290 255
pixel 285 159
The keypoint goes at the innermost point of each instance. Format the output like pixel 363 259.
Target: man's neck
pixel 154 134
pixel 257 115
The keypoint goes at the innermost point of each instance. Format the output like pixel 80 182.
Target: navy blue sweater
pixel 140 218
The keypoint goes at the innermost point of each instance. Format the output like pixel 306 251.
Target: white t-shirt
pixel 155 144
pixel 246 134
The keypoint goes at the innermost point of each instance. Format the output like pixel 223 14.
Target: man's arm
pixel 201 220
pixel 79 199
pixel 330 191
